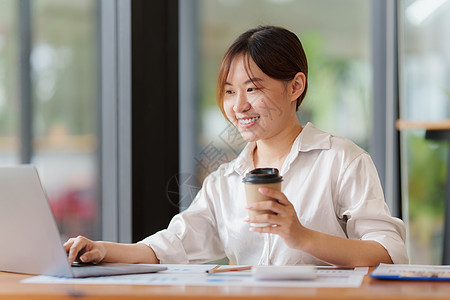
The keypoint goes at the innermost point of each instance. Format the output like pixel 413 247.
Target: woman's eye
pixel 229 92
pixel 251 89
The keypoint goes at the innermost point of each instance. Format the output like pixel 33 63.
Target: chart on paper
pixel 195 275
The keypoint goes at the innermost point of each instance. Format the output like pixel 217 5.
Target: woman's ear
pixel 297 86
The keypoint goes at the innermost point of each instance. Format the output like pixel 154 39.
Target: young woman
pixel 331 209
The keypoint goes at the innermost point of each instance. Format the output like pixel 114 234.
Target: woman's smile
pixel 247 122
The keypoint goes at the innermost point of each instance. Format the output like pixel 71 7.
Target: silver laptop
pixel 29 238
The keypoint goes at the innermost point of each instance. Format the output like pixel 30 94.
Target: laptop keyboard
pixel 109 269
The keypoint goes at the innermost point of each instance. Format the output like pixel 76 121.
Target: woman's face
pixel 259 106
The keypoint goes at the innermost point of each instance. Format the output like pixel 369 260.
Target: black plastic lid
pixel 262 175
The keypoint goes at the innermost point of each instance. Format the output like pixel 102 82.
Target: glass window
pixel 425 95
pixel 338 99
pixel 9 76
pixel 65 105
pixel 65 67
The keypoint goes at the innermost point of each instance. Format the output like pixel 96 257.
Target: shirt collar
pixel 310 138
pixel 244 162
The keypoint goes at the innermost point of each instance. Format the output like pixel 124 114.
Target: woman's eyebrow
pixel 250 80
pixel 253 80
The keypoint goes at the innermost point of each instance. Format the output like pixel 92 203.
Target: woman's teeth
pixel 248 121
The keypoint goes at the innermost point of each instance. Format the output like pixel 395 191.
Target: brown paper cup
pixel 253 181
pixel 253 195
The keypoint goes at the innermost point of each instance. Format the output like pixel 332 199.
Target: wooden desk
pixel 11 288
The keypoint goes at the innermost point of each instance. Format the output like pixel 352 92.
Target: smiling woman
pixel 252 76
pixel 331 207
pixel 248 104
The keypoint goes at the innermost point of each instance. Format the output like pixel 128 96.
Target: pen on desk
pixel 217 269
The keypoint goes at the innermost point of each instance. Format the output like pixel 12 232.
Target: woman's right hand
pixel 84 250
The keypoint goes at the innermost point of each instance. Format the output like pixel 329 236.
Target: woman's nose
pixel 242 104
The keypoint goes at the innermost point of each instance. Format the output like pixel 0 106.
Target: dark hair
pixel 276 51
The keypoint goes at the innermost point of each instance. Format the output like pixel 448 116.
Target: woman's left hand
pixel 285 222
pixel 329 248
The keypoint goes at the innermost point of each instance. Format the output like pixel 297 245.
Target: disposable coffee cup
pixel 261 178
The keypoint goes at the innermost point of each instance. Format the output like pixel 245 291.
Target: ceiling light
pixel 420 10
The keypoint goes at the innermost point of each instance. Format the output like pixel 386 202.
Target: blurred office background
pixel 424 70
pixel 49 102
pixel 60 110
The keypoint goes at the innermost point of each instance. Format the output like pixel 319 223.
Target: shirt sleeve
pixel 362 203
pixel 192 235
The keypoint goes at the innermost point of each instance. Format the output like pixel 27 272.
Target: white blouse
pixel 332 183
